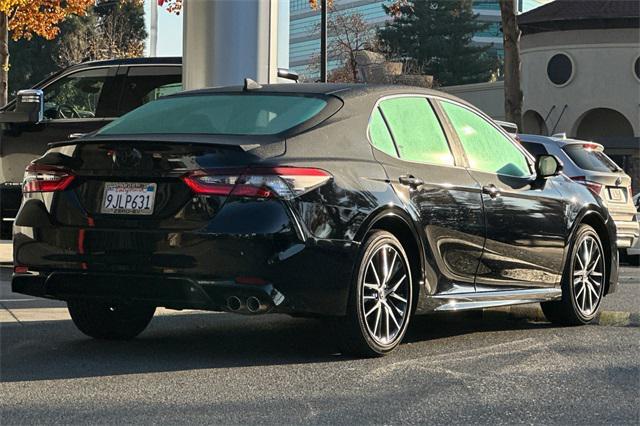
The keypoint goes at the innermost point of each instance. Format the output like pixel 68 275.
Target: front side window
pixel 76 95
pixel 487 149
pixel 416 130
pixel 218 114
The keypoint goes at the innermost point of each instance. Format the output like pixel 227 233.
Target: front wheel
pixel 380 299
pixel 110 320
pixel 583 282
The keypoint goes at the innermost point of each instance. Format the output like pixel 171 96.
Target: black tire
pixel 353 330
pixel 110 321
pixel 567 311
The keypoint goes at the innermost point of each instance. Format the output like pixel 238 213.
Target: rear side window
pixel 590 159
pixel 487 149
pixel 218 114
pixel 534 149
pixel 379 134
pixel 147 83
pixel 416 130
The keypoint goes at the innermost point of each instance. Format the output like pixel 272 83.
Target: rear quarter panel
pixel 581 206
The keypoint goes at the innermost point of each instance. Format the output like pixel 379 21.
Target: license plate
pixel 128 198
pixel 616 194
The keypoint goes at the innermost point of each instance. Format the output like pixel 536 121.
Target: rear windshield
pixel 218 114
pixel 590 159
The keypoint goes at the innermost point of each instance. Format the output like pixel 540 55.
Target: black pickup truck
pixel 68 104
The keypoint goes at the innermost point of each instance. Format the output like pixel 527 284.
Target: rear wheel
pixel 380 299
pixel 583 282
pixel 110 320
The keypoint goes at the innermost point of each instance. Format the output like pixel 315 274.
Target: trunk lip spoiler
pixel 244 142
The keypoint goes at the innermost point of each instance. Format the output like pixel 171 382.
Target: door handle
pixel 491 190
pixel 76 135
pixel 410 181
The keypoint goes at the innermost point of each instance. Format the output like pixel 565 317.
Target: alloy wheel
pixel 588 276
pixel 385 294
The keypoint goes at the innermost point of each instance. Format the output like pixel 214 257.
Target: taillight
pixel 257 182
pixel 593 186
pixel 591 146
pixel 19 269
pixel 41 178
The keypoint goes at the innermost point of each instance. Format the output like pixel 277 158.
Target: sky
pixel 169 31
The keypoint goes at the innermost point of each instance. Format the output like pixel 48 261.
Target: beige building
pixel 580 76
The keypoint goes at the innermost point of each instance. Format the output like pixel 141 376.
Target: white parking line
pixel 22 315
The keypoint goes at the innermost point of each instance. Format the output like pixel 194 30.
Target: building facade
pixel 304 42
pixel 581 75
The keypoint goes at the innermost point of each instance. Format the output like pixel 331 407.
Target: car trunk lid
pixel 138 183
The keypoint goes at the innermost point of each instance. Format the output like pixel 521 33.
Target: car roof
pixel 341 90
pixel 546 140
pixel 171 60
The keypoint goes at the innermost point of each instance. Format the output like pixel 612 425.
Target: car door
pixel 525 217
pixel 423 169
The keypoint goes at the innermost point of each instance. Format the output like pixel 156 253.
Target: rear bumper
pixel 627 233
pixel 168 291
pixel 187 270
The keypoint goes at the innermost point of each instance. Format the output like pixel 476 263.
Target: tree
pixel 437 37
pixel 31 61
pixel 348 33
pixel 172 6
pixel 109 31
pixel 513 96
pixel 26 18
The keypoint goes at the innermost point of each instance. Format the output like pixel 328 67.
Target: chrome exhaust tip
pixel 234 303
pixel 253 304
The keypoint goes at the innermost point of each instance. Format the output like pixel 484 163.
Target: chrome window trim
pixel 75 120
pixel 60 77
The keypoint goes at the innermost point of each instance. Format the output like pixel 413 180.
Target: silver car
pixel 634 250
pixel 586 163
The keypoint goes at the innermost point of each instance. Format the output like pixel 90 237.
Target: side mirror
pixel 29 108
pixel 548 165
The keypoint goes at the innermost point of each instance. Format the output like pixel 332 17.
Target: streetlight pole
pixel 153 28
pixel 323 42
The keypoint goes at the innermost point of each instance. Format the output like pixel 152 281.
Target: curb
pixel 534 313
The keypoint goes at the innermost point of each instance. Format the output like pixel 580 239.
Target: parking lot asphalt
pixel 227 369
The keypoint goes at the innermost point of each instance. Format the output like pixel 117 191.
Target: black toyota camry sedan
pixel 363 205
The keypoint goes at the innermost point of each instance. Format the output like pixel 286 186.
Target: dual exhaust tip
pixel 252 303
